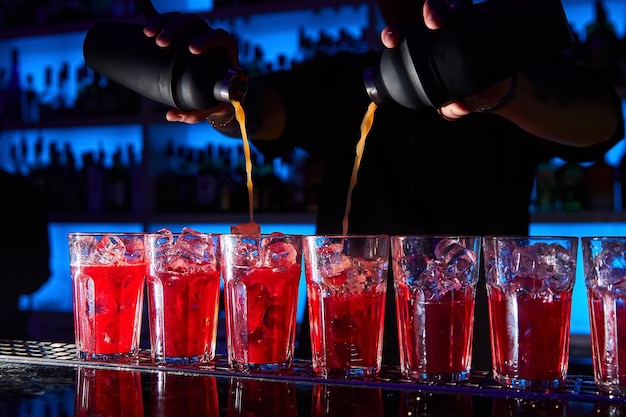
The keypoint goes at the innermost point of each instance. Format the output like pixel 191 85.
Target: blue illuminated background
pixel 278 34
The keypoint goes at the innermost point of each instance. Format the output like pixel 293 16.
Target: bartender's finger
pixel 454 110
pixel 193 117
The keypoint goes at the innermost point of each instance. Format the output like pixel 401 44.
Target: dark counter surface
pixel 46 379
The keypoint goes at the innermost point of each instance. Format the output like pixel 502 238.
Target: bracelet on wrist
pixel 508 97
pixel 216 123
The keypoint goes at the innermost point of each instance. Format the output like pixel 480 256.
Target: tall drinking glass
pixel 261 278
pixel 530 280
pixel 605 279
pixel 108 272
pixel 346 280
pixel 183 296
pixel 435 284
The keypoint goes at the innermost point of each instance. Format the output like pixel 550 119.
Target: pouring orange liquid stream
pixel 366 125
pixel 252 227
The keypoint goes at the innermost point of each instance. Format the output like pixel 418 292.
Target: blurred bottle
pixel 269 193
pixel 37 171
pixel 30 102
pixel 62 103
pixel 13 90
pixel 165 183
pixel 225 184
pixel 82 85
pixel 136 180
pixel 545 187
pixel 117 185
pixel 599 185
pixel 207 181
pixel 93 180
pixel 14 159
pixel 74 189
pixel 571 186
pixel 93 93
pixel 297 180
pixel 55 179
pixel 47 96
pixel 603 45
pixel 621 172
pixel 186 179
pixel 99 8
pixel 3 86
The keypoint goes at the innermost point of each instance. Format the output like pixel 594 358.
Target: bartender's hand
pixel 165 28
pixel 435 12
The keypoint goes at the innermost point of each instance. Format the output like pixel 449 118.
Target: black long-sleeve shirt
pixel 419 172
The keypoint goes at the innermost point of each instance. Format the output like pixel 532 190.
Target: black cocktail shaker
pixel 475 48
pixel 172 75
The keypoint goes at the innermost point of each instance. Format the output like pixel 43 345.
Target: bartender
pixel 467 167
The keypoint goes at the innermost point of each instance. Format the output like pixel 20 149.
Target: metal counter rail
pixel 576 387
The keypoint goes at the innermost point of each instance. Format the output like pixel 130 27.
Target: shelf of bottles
pixel 94 147
pixel 572 192
pixel 107 160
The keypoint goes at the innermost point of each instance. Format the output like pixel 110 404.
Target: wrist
pixel 506 99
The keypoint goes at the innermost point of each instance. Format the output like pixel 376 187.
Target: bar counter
pixel 46 379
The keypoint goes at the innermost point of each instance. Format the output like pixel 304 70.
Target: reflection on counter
pixel 47 390
pixel 184 395
pixel 108 392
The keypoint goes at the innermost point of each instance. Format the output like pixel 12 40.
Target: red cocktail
pixel 108 300
pixel 436 336
pixel 343 327
pixel 183 296
pixel 185 317
pixel 108 273
pixel 530 280
pixel 435 285
pixel 261 279
pixel 269 299
pixel 346 287
pixel 530 333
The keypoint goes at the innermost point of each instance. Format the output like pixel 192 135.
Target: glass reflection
pixel 108 392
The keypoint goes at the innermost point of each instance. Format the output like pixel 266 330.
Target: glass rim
pixel 181 234
pixel 349 236
pixel 435 235
pixel 603 237
pixel 517 237
pixel 256 235
pixel 106 234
